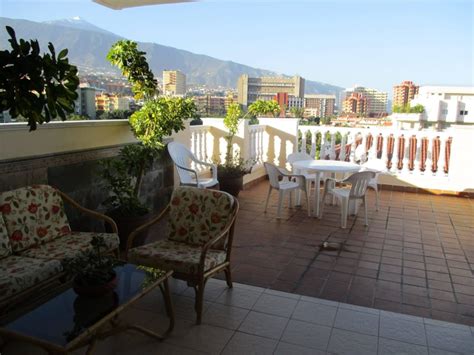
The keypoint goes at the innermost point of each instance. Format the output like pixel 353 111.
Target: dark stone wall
pixel 77 175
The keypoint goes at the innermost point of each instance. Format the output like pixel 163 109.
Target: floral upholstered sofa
pixel 35 237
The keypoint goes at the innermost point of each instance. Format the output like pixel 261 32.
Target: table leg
pixel 316 195
pixel 165 290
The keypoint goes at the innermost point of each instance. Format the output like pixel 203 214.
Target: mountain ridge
pixel 88 45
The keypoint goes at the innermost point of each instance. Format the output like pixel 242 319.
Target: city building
pixel 356 103
pixel 319 105
pixel 209 105
pixel 404 93
pixel 111 102
pixel 174 83
pixel 85 102
pixel 443 106
pixel 376 100
pixel 266 88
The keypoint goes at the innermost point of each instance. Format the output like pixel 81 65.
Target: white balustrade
pixel 355 136
pixel 198 143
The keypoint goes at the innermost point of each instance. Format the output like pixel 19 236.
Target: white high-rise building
pixel 443 105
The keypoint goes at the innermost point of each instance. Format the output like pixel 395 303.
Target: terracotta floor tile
pixel 418 249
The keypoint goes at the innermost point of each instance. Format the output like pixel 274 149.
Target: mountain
pixel 88 46
pixel 78 23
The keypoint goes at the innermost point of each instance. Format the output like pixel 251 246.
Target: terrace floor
pixel 415 257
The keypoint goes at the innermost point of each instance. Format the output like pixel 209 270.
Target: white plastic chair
pixel 359 183
pixel 184 160
pixel 361 158
pixel 289 183
pixel 294 157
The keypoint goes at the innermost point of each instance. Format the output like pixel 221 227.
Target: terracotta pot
pixel 127 225
pixel 83 289
pixel 231 184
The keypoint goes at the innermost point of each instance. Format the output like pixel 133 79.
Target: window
pixel 463 113
pixel 445 112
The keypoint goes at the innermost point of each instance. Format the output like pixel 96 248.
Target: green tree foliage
pixel 408 109
pixel 39 87
pixel 231 121
pixel 76 117
pixel 297 112
pixel 125 55
pixel 159 118
pixel 155 120
pixel 262 107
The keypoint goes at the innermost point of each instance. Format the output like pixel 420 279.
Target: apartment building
pixel 404 93
pixel 209 105
pixel 319 105
pixel 85 103
pixel 174 83
pixel 376 100
pixel 110 102
pixel 266 88
pixel 356 103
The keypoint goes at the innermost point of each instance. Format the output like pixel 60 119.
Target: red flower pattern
pixel 55 209
pixel 32 208
pixel 17 236
pixel 5 208
pixel 41 231
pixel 215 218
pixel 176 201
pixel 182 231
pixel 193 208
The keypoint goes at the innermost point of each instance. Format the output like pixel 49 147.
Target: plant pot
pixel 127 225
pixel 88 290
pixel 231 183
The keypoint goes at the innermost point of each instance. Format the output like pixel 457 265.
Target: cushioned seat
pixel 177 256
pixel 18 273
pixel 70 245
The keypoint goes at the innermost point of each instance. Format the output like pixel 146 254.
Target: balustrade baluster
pixel 395 160
pixel 303 141
pixel 385 147
pixel 442 156
pixel 417 162
pixel 342 151
pixel 406 156
pixel 313 144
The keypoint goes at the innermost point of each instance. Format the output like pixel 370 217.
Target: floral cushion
pixel 70 246
pixel 5 247
pixel 171 255
pixel 19 273
pixel 198 215
pixel 33 215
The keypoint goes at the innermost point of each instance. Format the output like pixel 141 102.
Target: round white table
pixel 318 167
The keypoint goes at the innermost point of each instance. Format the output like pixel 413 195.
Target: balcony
pixel 393 285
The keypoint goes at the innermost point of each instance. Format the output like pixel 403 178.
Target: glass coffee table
pixel 67 321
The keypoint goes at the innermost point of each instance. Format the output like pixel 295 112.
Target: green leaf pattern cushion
pixel 5 247
pixel 198 215
pixel 33 215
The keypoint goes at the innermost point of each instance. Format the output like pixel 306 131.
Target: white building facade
pixel 444 105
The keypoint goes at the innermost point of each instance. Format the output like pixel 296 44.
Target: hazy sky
pixel 374 43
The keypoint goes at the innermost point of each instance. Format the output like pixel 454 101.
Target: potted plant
pixel 157 119
pixel 92 272
pixel 38 87
pixel 264 108
pixel 231 173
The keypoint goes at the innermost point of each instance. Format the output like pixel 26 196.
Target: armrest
pixel 89 212
pixel 211 165
pixel 187 169
pixel 148 224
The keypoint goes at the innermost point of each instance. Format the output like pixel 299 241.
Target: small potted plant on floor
pixel 93 272
pixel 231 173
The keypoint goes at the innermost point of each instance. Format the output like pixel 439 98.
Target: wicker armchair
pixel 200 232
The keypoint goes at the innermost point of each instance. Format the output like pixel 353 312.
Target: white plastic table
pixel 318 167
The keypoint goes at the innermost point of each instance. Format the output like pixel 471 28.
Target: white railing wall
pixel 423 159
